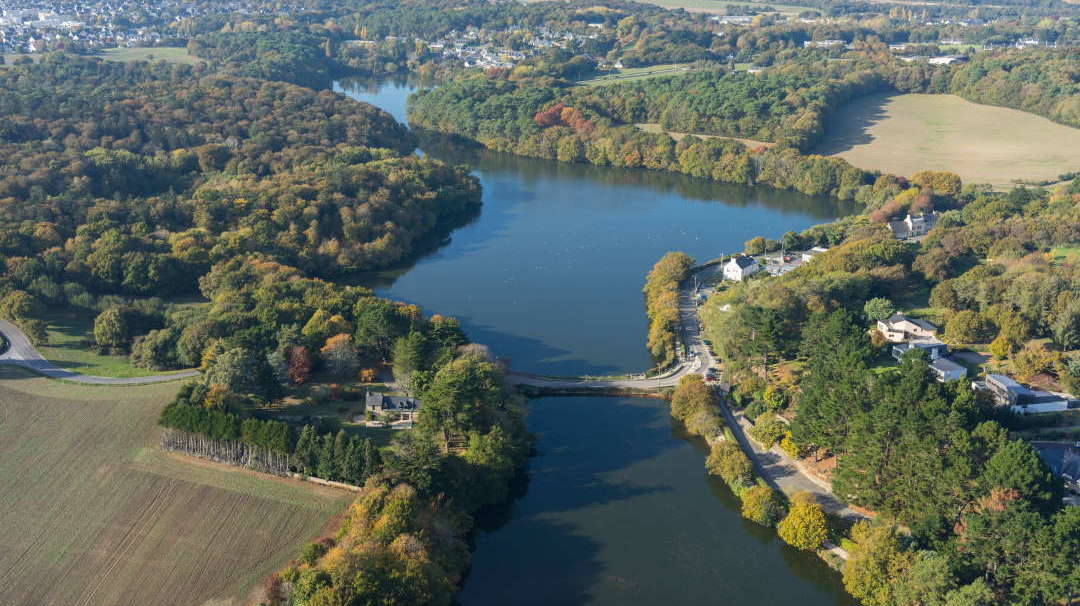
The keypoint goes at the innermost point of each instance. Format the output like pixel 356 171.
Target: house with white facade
pixel 740 267
pixel 913 226
pixel 899 328
pixel 946 370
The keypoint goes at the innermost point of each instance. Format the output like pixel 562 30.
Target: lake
pixel 617 509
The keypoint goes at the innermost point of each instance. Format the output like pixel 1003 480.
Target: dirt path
pixel 20 352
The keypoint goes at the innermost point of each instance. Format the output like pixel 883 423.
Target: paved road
pixel 21 352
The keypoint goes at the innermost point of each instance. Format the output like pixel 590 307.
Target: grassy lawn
pixel 69 333
pixel 94 513
pixel 147 53
pixel 903 134
pixel 636 73
pixel 1062 254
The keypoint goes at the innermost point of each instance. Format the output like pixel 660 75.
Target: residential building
pixel 393 408
pixel 899 328
pixel 813 252
pixel 913 226
pixel 1023 400
pixel 934 348
pixel 740 267
pixel 946 370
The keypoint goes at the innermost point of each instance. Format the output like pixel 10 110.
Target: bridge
pixel 694 359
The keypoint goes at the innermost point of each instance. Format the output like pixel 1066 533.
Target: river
pixel 617 509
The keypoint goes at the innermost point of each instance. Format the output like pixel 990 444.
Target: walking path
pixel 20 352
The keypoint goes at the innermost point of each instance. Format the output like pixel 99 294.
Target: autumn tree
pixel 340 355
pixel 804 527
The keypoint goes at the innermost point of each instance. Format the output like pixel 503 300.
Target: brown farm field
pixel 93 513
pixel 902 134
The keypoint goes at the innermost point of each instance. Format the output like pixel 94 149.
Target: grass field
pixel 68 348
pixel 903 134
pixel 148 53
pixel 630 74
pixel 1061 254
pixel 93 513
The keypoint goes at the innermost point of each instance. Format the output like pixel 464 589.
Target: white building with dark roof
pixel 740 267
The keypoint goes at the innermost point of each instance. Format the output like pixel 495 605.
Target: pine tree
pixel 305 456
pixel 353 468
pixel 340 459
pixel 325 467
pixel 371 458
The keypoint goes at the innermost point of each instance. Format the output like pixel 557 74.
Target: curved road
pixel 20 352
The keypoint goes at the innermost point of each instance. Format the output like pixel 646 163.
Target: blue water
pixel 617 509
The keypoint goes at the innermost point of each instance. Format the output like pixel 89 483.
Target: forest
pixel 963 508
pixel 121 182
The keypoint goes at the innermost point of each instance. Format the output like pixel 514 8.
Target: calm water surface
pixel 617 509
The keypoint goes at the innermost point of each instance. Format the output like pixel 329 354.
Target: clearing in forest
pixel 150 53
pixel 903 134
pixel 94 513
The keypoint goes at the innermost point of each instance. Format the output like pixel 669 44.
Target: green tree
pixel 112 328
pixel 878 308
pixel 835 390
pixel 242 371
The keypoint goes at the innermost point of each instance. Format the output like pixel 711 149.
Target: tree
pixel 242 371
pixel 755 246
pixel 762 504
pixel 19 304
pixel 299 364
pixel 729 462
pixel 341 461
pixel 1016 466
pixel 410 355
pixel 1066 326
pixel 1033 359
pixel 340 355
pixel 928 582
pixel 878 308
pixel 873 562
pixel 835 389
pixel 305 455
pixel 326 463
pixel 112 328
pixel 804 527
pixel 965 326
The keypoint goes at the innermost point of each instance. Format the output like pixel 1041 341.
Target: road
pixel 21 352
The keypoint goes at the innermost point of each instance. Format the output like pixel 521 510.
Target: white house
pixel 913 226
pixel 1023 400
pixel 946 370
pixel 813 252
pixel 740 267
pixel 899 328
